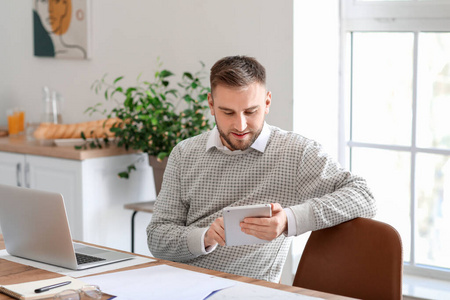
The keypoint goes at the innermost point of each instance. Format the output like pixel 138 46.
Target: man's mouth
pixel 240 135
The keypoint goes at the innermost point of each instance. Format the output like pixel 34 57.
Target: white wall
pixel 128 36
pixel 316 71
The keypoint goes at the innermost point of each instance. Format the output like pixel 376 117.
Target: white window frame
pixel 390 16
pixel 406 9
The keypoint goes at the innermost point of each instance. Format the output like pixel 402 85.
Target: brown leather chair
pixel 361 258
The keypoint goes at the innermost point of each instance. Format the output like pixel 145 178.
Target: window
pixel 396 104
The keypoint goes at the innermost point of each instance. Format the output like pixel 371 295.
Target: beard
pixel 235 144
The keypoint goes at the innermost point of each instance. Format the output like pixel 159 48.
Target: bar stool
pixel 135 207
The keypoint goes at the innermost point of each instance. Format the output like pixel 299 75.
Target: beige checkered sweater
pixel 292 171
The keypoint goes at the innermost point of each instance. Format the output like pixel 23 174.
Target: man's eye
pixel 228 113
pixel 250 112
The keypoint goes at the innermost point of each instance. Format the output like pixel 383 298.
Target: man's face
pixel 239 113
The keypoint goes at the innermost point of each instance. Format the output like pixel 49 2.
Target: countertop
pixel 19 144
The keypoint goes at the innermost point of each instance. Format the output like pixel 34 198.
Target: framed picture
pixel 61 28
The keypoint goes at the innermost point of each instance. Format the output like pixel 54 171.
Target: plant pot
pixel 158 171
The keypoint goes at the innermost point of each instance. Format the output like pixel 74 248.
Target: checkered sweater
pixel 292 171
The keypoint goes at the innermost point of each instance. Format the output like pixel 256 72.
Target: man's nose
pixel 241 123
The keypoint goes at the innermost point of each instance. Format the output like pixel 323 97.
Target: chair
pixel 361 258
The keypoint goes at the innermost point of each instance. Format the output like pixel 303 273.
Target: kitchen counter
pixel 19 144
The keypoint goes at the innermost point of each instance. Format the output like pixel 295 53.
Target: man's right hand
pixel 215 234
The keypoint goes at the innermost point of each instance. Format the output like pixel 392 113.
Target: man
pixel 245 161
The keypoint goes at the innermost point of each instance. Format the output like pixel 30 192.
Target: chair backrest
pixel 361 258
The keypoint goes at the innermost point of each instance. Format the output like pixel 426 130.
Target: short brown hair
pixel 237 71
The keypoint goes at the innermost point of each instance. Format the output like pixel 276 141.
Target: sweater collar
pixel 259 145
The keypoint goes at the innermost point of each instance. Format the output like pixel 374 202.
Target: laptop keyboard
pixel 84 259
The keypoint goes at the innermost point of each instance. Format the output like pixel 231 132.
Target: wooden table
pixel 11 272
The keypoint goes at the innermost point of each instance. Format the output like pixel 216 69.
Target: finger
pixel 276 207
pixel 220 223
pixel 221 230
pixel 264 235
pixel 215 233
pixel 257 221
pixel 213 237
pixel 219 236
pixel 254 228
pixel 219 239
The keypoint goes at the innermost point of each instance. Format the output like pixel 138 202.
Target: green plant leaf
pixel 165 73
pixel 123 175
pixel 131 168
pixel 130 90
pixel 188 98
pixel 173 92
pixel 117 79
pixel 188 75
pixel 203 97
pixel 161 156
pixel 128 102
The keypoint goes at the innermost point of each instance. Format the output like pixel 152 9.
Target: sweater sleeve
pixel 168 237
pixel 333 195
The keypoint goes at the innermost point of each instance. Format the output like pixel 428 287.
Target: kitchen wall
pixel 128 36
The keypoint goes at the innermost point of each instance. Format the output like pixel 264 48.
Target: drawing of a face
pixel 60 14
pixel 42 10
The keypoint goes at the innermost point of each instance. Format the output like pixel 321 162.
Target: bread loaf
pixel 98 128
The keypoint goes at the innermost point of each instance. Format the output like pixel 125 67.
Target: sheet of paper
pixel 159 282
pixel 166 282
pixel 249 291
pixel 72 273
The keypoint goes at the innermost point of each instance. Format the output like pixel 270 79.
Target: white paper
pixel 249 291
pixel 138 260
pixel 159 282
pixel 166 282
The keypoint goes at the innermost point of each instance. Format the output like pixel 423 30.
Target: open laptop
pixel 34 225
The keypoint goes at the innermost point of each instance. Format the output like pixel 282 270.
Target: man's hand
pixel 266 228
pixel 215 234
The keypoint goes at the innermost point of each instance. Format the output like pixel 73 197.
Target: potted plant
pixel 153 116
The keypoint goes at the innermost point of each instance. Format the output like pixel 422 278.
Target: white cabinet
pixel 12 169
pixel 93 193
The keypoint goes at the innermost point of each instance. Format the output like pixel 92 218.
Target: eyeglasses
pixel 90 291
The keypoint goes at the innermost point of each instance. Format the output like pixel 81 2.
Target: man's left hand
pixel 266 228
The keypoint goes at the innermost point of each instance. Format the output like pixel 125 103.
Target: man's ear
pixel 211 103
pixel 268 102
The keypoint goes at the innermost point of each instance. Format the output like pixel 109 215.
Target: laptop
pixel 34 225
